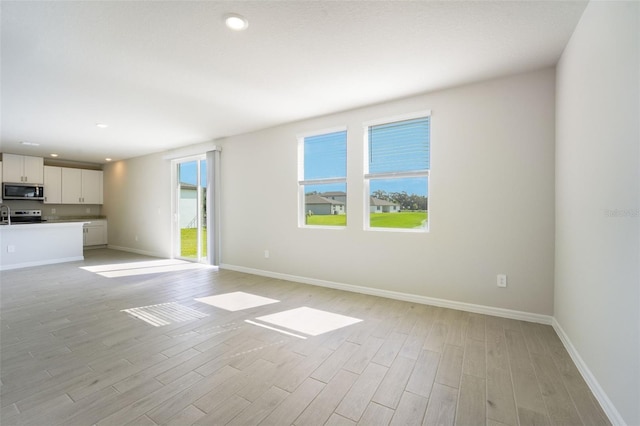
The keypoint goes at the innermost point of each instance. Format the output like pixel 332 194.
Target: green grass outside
pixel 406 220
pixel 327 220
pixel 189 242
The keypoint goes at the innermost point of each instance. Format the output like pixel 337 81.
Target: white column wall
pixel 597 278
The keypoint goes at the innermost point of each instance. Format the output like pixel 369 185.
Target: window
pixel 397 174
pixel 322 179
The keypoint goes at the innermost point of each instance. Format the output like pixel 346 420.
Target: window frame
pixel 367 177
pixel 302 182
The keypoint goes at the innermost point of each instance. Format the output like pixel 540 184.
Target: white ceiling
pixel 169 74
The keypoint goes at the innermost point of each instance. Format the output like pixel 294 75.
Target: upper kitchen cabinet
pixel 22 168
pixel 52 185
pixel 71 186
pixel 80 186
pixel 91 186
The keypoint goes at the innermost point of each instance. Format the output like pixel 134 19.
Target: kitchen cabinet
pixel 52 185
pixel 94 233
pixel 22 168
pixel 80 186
pixel 71 186
pixel 91 186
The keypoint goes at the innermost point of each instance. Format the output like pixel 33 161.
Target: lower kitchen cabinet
pixel 95 233
pixel 30 244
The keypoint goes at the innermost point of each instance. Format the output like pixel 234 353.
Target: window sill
pixel 400 230
pixel 321 227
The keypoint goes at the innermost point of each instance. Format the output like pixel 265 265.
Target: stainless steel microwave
pixel 22 191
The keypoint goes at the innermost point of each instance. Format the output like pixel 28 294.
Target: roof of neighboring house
pixel 317 199
pixel 334 194
pixel 378 202
pixel 184 185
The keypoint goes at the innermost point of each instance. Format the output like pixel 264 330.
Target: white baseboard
pixel 136 251
pixel 424 300
pixel 40 263
pixel 606 404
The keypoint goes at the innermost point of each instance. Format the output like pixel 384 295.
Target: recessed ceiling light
pixel 236 22
pixel 30 143
pixel 107 159
pixel 102 125
pixel 54 155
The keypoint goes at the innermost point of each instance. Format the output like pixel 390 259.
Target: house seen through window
pixel 322 179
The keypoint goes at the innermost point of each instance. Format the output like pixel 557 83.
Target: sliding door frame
pixel 213 207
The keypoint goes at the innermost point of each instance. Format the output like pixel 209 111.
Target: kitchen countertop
pixel 23 226
pixel 52 220
pixel 63 219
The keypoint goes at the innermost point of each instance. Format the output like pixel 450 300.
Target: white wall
pixel 597 278
pixel 138 204
pixel 491 201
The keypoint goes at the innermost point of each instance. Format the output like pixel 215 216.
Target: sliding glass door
pixel 191 209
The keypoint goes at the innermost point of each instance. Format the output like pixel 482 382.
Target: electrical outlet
pixel 502 280
pixel 88 210
pixel 266 254
pixel 53 211
pixel 11 249
pixel 136 238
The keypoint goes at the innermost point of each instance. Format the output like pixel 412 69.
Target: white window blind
pixel 325 157
pixel 399 147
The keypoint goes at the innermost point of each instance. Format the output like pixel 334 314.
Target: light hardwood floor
pixel 71 357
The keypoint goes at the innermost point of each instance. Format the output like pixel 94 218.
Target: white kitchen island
pixel 24 245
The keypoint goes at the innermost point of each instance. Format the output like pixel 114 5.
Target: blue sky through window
pixel 331 187
pixel 189 172
pixel 417 185
pixel 325 156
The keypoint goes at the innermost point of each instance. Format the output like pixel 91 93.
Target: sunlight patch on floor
pixel 308 320
pixel 164 313
pixel 288 333
pixel 236 301
pixel 144 267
